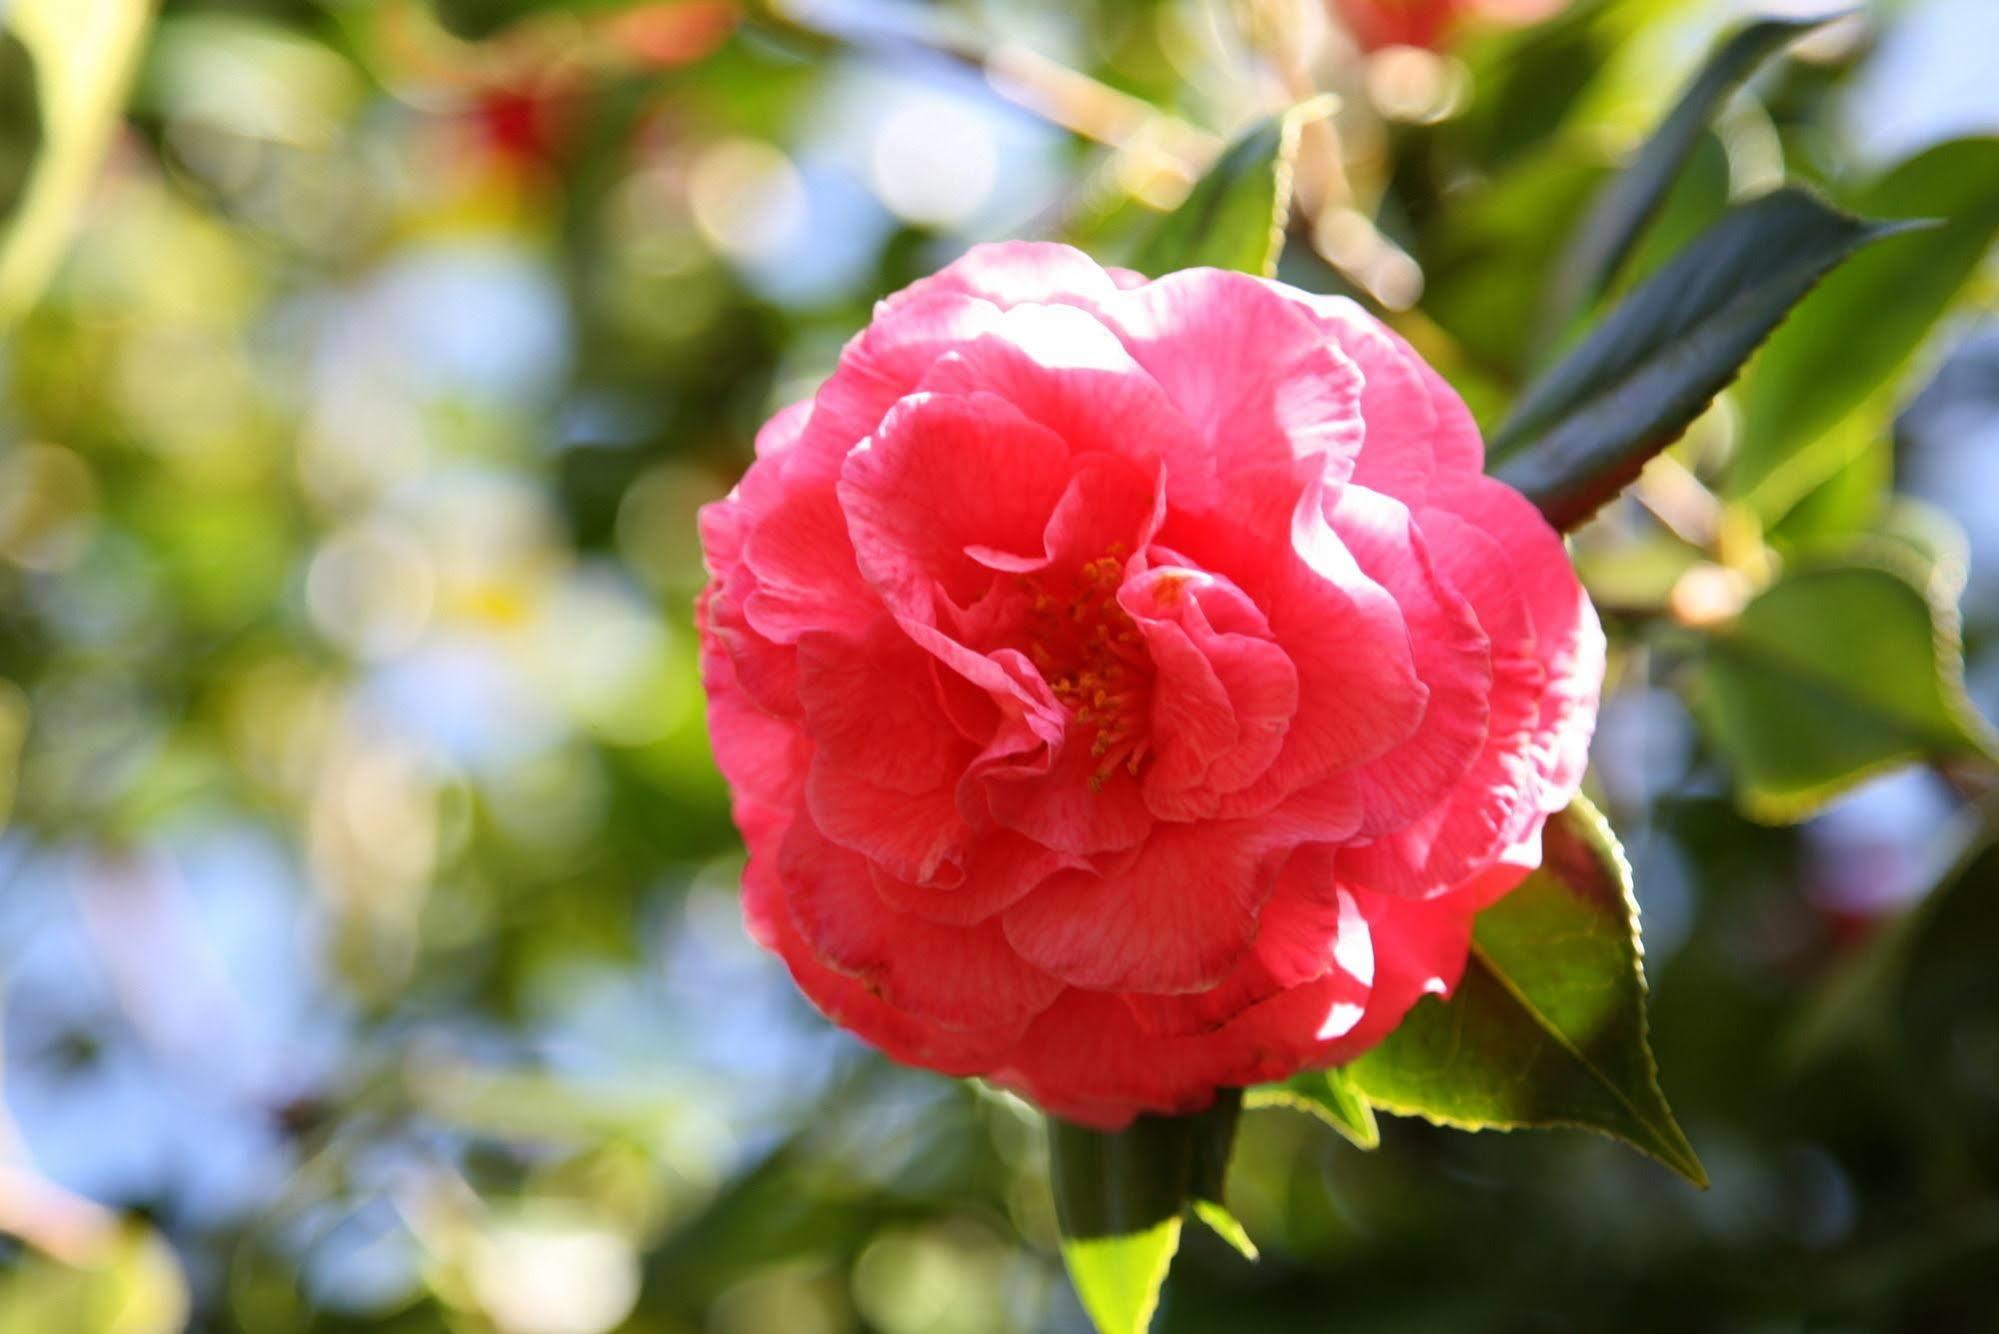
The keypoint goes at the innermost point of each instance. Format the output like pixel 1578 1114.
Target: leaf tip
pixel 1118 1279
pixel 1226 1226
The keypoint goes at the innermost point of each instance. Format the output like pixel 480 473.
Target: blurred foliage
pixel 369 936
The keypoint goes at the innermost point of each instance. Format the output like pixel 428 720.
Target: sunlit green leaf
pixel 84 52
pixel 1234 216
pixel 1634 384
pixel 1834 673
pixel 1328 1095
pixel 1119 1197
pixel 1547 1027
pixel 1622 212
pixel 1867 320
pixel 1226 1226
pixel 1118 1277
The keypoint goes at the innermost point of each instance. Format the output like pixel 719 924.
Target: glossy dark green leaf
pixel 1582 431
pixel 1834 673
pixel 1868 320
pixel 1547 1026
pixel 1330 1096
pixel 1624 209
pixel 1119 1197
pixel 1234 216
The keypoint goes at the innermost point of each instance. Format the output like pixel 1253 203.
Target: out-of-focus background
pixel 369 950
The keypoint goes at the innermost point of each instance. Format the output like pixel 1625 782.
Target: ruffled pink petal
pixel 1247 367
pixel 1568 637
pixel 762 756
pixel 960 977
pixel 1057 804
pixel 1417 425
pixel 944 473
pixel 879 367
pixel 1400 451
pixel 1111 507
pixel 871 714
pixel 1065 370
pixel 806 579
pixel 1459 448
pixel 1001 869
pixel 777 436
pixel 1359 693
pixel 886 761
pixel 1010 273
pixel 1308 929
pixel 765 671
pixel 1086 1059
pixel 1452 656
pixel 1497 801
pixel 842 999
pixel 1223 695
pixel 1176 919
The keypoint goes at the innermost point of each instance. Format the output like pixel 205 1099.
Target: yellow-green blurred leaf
pixel 84 53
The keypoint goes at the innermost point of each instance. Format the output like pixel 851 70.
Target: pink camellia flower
pixel 1131 689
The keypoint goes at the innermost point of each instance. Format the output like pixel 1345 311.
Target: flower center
pixel 1091 655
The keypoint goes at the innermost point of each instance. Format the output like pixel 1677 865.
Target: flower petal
pixel 944 473
pixel 1452 656
pixel 960 977
pixel 1064 369
pixel 1568 638
pixel 1008 273
pixel 1223 695
pixel 842 999
pixel 1176 919
pixel 1247 367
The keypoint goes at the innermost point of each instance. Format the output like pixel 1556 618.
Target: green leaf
pixel 1867 320
pixel 1226 1226
pixel 1547 1026
pixel 1119 1197
pixel 1620 214
pixel 1328 1095
pixel 1234 216
pixel 1119 1277
pixel 84 53
pixel 1584 429
pixel 1836 672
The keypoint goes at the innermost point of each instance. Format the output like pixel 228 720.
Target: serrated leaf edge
pixel 1673 1150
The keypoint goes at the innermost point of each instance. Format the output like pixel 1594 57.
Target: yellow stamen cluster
pixel 1091 655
